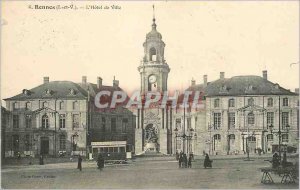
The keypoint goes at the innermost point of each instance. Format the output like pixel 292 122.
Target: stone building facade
pixel 58 118
pixel 239 112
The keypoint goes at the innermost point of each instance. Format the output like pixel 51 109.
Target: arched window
pixel 251 118
pixel 270 102
pixel 152 54
pixel 62 142
pixel 216 103
pixel 45 122
pixel 270 137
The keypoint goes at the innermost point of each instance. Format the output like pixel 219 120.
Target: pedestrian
pixel 180 160
pixel 192 156
pixel 275 160
pixel 185 160
pixel 207 162
pixel 177 155
pixel 100 162
pixel 190 161
pixel 79 166
pixel 41 160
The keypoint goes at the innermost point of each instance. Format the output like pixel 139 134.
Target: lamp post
pixel 279 133
pixel 185 137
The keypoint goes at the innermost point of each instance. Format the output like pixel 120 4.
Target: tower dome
pixel 154 33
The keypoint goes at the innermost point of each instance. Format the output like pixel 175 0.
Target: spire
pixel 153 25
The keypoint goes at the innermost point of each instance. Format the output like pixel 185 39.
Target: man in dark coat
pixel 275 161
pixel 100 162
pixel 180 160
pixel 177 155
pixel 79 166
pixel 190 161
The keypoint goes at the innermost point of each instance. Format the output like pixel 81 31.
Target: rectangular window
pixel 124 125
pixel 217 120
pixel 231 103
pixel 188 120
pixel 15 121
pixel 285 138
pixel 113 124
pixel 75 120
pixel 270 118
pixel 231 120
pixel 62 142
pixel 216 103
pixel 62 121
pixel 28 121
pixel 270 137
pixel 285 102
pixel 285 119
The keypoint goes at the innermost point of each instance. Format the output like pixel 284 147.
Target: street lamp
pixel 185 137
pixel 279 134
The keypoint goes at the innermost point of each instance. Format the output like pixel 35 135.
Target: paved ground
pixel 160 172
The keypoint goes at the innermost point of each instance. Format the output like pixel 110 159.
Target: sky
pixel 235 37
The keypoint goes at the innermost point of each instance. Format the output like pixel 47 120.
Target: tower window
pixel 152 54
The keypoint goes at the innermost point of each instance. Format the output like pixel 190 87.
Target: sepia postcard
pixel 150 94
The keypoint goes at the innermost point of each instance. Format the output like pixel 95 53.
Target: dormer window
pixel 26 92
pixel 75 105
pixel 72 91
pixel 276 86
pixel 48 92
pixel 15 105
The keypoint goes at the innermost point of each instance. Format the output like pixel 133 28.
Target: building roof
pixel 54 89
pixel 241 86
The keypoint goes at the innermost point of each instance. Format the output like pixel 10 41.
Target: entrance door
pixel 44 145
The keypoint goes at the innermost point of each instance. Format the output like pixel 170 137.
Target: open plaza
pixel 160 172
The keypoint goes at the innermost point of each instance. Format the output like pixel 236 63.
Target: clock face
pixel 152 79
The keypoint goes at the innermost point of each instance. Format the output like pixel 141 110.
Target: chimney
pixel 205 80
pixel 265 74
pixel 46 80
pixel 99 82
pixel 115 82
pixel 193 82
pixel 297 90
pixel 222 75
pixel 83 79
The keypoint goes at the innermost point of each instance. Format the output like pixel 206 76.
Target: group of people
pixel 183 161
pixel 100 162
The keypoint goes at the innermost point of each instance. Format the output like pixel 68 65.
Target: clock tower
pixel 153 68
pixel 153 129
